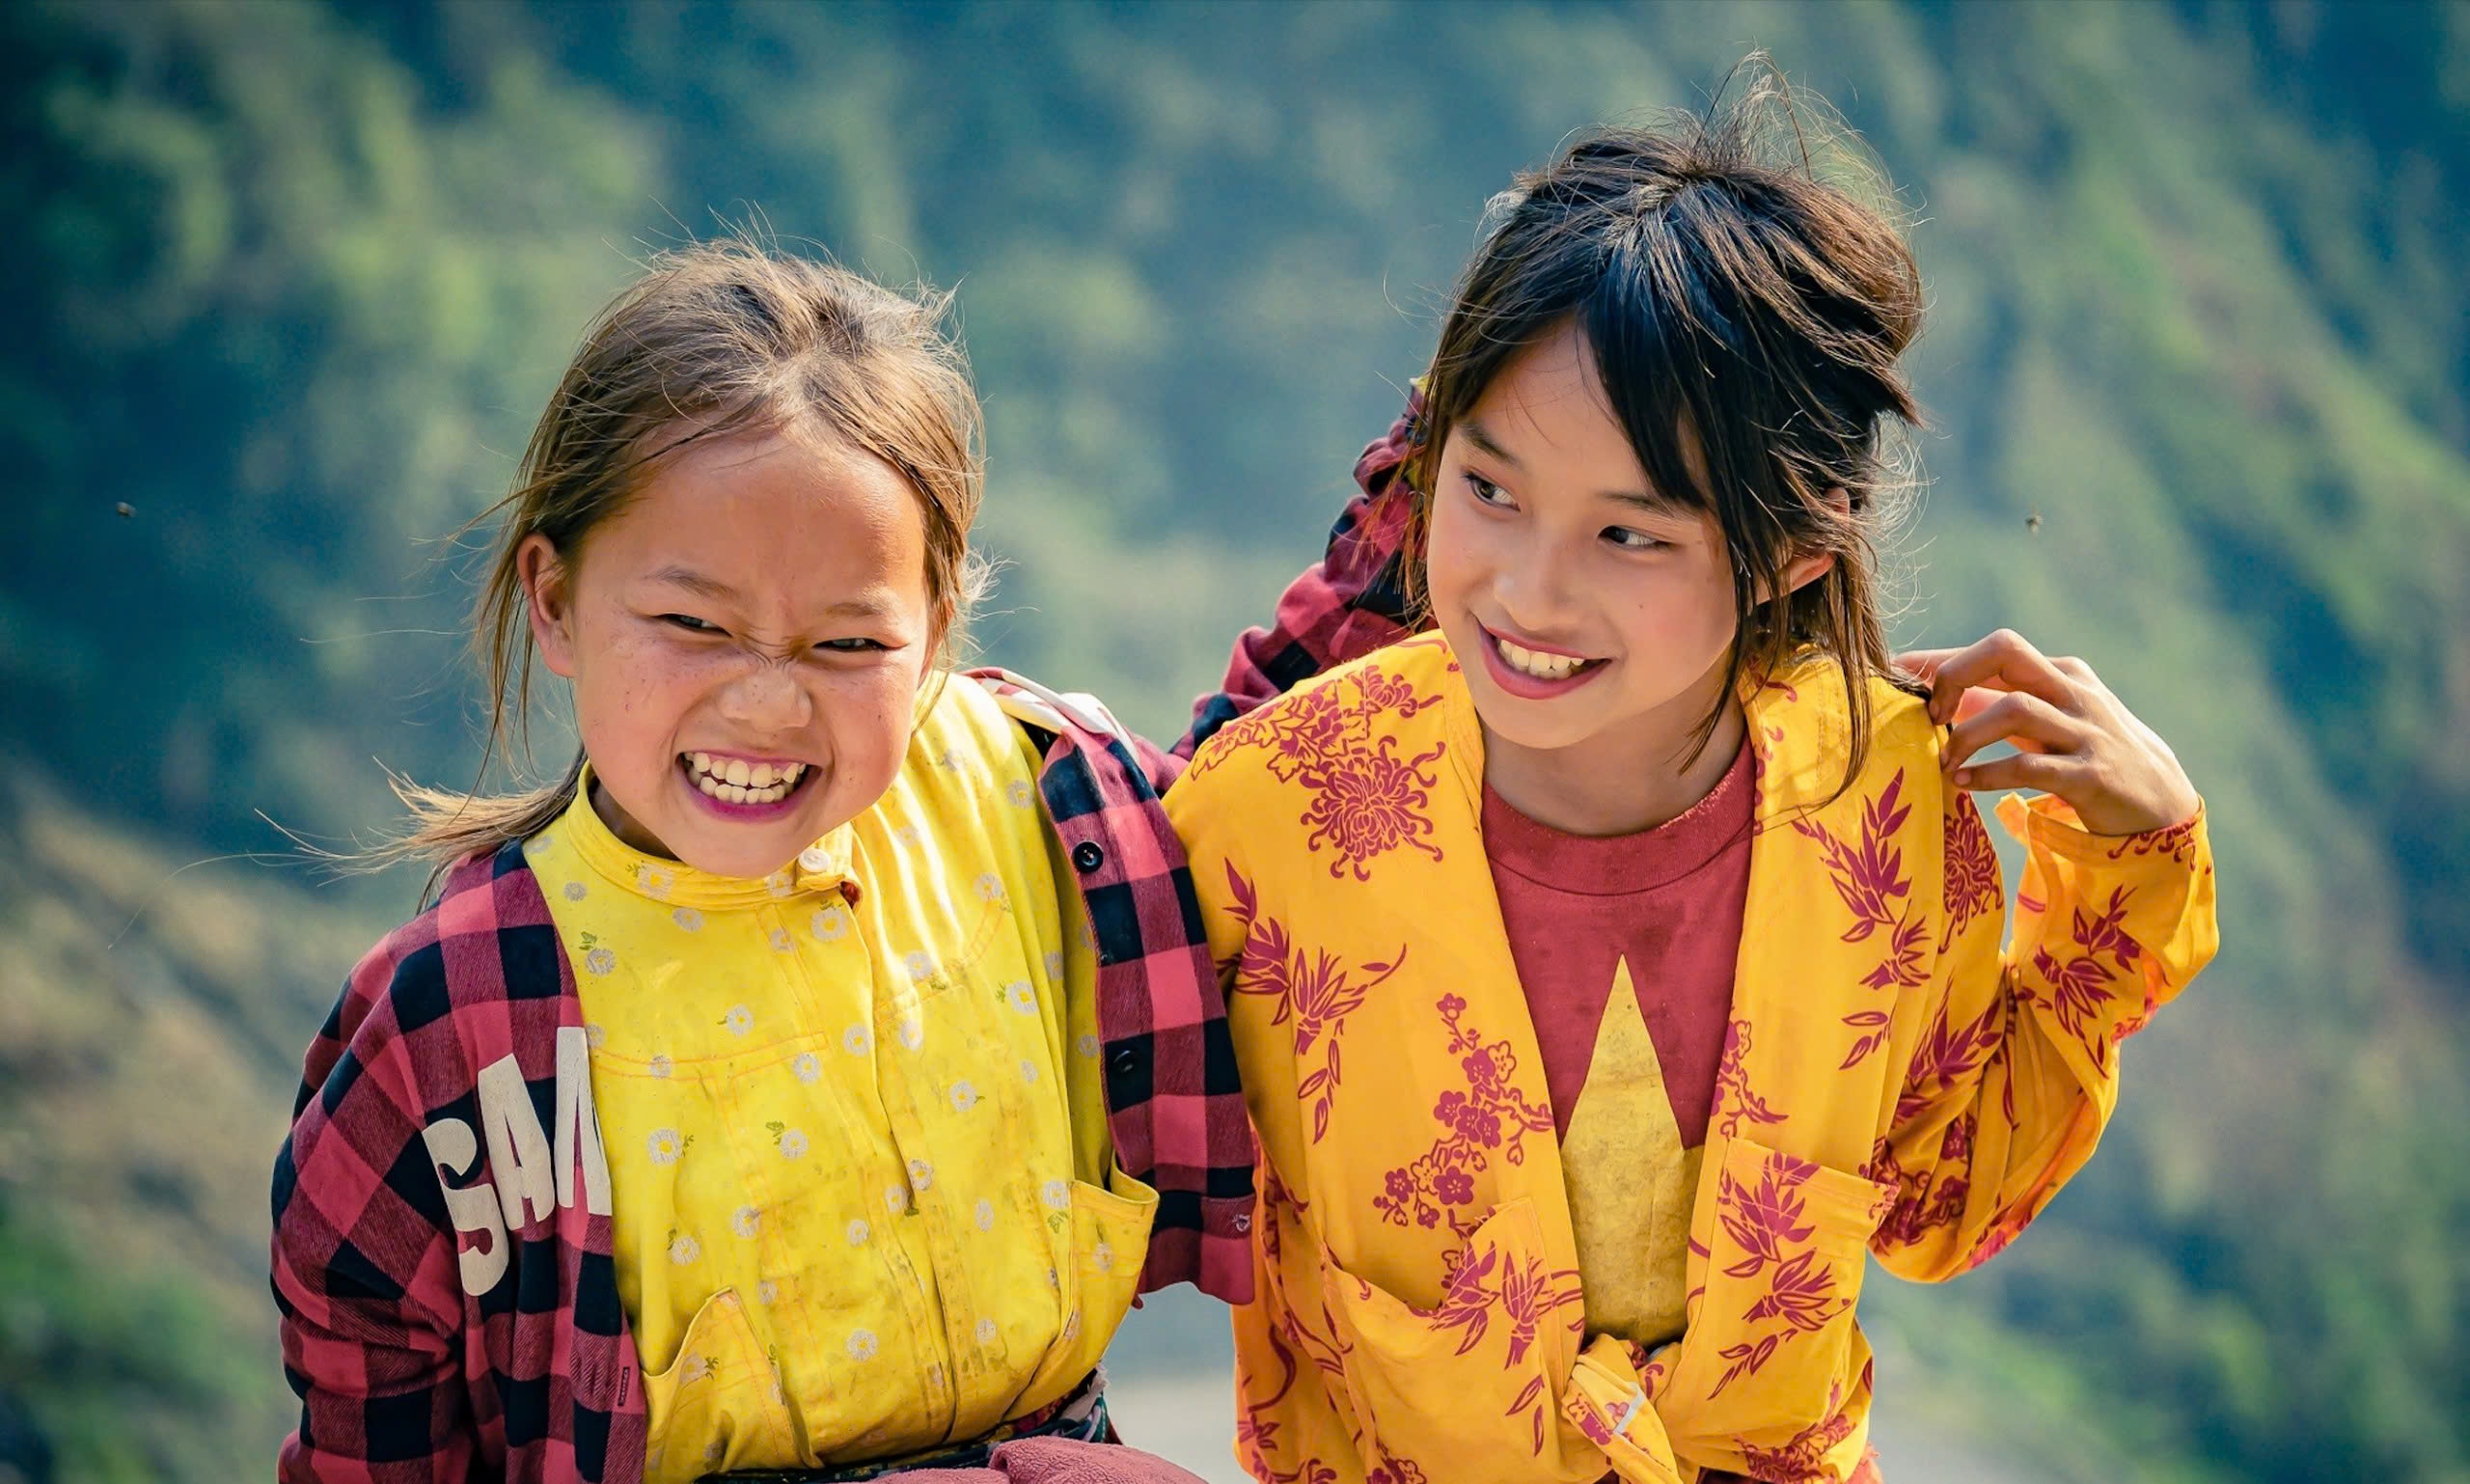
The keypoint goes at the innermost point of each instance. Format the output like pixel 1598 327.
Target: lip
pixel 745 813
pixel 1526 687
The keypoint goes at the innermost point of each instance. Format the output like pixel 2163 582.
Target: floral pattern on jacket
pixel 1894 1080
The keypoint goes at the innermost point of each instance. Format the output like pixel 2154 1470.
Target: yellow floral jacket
pixel 1891 1083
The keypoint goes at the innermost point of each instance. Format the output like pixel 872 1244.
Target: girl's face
pixel 1585 606
pixel 746 640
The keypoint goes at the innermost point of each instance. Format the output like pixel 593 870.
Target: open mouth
pixel 1531 673
pixel 1538 665
pixel 748 785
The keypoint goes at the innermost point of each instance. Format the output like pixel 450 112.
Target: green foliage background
pixel 291 279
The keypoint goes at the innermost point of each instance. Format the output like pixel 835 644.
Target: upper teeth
pixel 739 781
pixel 1543 666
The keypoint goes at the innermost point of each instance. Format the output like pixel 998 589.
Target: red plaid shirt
pixel 1353 603
pixel 447 1096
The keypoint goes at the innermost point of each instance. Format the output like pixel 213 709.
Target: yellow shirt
pixel 1892 1083
pixel 865 1198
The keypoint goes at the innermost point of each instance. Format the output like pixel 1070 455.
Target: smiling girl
pixel 809 1078
pixel 1617 963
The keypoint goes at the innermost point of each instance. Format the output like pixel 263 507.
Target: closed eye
pixel 690 623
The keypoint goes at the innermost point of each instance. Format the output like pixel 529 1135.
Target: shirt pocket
pixel 1771 1347
pixel 1464 1388
pixel 719 1404
pixel 1094 1283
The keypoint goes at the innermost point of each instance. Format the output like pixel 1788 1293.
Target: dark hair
pixel 1734 301
pixel 716 340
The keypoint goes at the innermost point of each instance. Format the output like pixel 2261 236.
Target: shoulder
pixel 1352 722
pixel 487 939
pixel 1392 688
pixel 1801 722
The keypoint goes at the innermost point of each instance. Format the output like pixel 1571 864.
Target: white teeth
pixel 736 781
pixel 1543 666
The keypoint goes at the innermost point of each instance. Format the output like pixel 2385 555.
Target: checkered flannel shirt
pixel 1353 603
pixel 444 1092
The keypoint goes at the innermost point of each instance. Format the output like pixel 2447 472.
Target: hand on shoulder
pixel 2075 740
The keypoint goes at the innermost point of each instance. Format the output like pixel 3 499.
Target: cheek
pixel 631 692
pixel 1450 557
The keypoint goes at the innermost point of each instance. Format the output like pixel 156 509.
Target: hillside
pixel 291 279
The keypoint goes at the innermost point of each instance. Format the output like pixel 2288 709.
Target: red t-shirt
pixel 1668 900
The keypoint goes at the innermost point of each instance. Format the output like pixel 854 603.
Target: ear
pixel 1805 571
pixel 548 603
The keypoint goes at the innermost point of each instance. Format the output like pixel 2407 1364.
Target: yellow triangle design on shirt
pixel 1630 1181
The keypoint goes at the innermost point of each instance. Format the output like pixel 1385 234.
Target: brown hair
pixel 716 340
pixel 1734 299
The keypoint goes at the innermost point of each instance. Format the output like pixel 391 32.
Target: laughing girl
pixel 1616 965
pixel 808 1080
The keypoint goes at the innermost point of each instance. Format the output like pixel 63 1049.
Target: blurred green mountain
pixel 289 281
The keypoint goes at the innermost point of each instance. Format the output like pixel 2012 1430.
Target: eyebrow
pixel 1649 501
pixel 719 591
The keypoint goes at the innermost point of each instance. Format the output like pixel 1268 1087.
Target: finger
pixel 2025 720
pixel 1922 663
pixel 2006 661
pixel 2049 773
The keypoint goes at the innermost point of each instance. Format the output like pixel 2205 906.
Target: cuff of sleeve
pixel 2048 823
pixel 1215 1258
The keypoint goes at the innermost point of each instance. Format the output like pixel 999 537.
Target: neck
pixel 1623 781
pixel 628 829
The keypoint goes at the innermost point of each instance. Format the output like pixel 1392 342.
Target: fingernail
pixel 1963 777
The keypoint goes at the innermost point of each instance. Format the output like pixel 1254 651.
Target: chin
pixel 1516 722
pixel 743 860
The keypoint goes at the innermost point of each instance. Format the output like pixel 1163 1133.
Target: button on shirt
pixel 865 1198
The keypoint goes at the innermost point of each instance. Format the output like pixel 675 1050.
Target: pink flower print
pixel 1314 989
pixel 1766 1219
pixel 1738 1104
pixel 1488 1115
pixel 1803 1293
pixel 1374 806
pixel 1363 799
pixel 1948 1055
pixel 1870 879
pixel 1971 885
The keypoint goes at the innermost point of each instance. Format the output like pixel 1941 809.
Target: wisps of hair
pixel 1744 284
pixel 716 340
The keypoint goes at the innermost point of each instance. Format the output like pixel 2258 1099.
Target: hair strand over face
pixel 720 340
pixel 1746 318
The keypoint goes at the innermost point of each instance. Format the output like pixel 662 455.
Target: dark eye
pixel 1487 492
pixel 1632 540
pixel 851 646
pixel 689 622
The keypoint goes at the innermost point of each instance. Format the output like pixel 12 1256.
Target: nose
pixel 766 697
pixel 1535 590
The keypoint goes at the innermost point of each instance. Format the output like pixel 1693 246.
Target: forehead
pixel 1547 404
pixel 771 514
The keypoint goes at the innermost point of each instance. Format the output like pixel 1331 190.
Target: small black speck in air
pixel 2033 523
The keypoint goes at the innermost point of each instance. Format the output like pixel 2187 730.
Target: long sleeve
pixel 2018 1073
pixel 1351 603
pixel 365 1270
